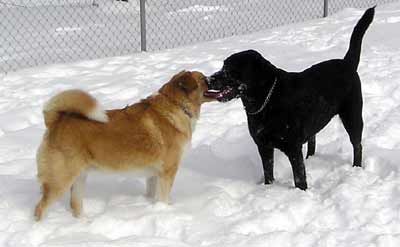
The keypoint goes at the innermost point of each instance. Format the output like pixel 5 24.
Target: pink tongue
pixel 212 94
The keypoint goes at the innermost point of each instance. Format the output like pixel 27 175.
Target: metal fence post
pixel 143 46
pixel 325 8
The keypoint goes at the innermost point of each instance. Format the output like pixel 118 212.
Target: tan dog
pixel 149 136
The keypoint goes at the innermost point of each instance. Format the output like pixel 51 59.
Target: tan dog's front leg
pixel 151 184
pixel 164 185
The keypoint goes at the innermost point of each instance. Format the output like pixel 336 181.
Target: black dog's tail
pixel 353 54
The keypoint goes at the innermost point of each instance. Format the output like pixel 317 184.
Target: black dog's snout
pixel 207 80
pixel 218 75
pixel 211 81
pixel 214 81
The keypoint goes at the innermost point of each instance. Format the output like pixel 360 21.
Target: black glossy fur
pixel 301 104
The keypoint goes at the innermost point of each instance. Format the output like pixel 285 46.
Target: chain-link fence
pixel 38 32
pixel 336 5
pixel 190 21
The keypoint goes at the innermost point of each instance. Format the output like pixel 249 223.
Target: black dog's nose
pixel 211 80
pixel 218 74
pixel 214 79
pixel 207 79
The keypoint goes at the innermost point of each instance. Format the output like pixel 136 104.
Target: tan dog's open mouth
pixel 219 95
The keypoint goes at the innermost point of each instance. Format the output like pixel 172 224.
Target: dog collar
pixel 186 111
pixel 183 107
pixel 271 90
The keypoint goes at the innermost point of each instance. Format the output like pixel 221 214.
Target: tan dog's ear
pixel 176 76
pixel 187 83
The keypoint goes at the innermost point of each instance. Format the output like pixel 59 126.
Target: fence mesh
pixel 38 32
pixel 185 22
pixel 336 5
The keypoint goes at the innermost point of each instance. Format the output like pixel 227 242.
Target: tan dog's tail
pixel 73 101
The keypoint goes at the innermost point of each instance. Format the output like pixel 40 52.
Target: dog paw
pixel 302 186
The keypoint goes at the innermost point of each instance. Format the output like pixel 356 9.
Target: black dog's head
pixel 241 72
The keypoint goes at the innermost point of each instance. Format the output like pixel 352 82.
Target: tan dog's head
pixel 187 86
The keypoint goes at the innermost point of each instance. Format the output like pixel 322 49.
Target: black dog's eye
pixel 228 74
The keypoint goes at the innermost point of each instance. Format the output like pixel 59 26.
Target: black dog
pixel 286 109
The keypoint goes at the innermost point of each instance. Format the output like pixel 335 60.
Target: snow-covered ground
pixel 217 199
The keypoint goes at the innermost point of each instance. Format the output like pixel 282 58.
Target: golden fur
pixel 148 136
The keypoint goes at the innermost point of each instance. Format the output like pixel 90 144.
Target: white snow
pixel 217 199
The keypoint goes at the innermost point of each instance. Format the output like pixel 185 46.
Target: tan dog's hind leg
pixel 47 197
pixel 50 194
pixel 77 190
pixel 56 174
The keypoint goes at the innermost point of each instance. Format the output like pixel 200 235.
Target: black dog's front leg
pixel 267 157
pixel 299 171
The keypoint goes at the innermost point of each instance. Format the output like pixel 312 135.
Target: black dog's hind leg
pixel 310 146
pixel 354 126
pixel 267 157
pixel 299 170
pixel 351 115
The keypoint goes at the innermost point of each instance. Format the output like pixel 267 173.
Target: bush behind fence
pixel 39 32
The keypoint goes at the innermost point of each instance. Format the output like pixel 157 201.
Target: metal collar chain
pixel 266 99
